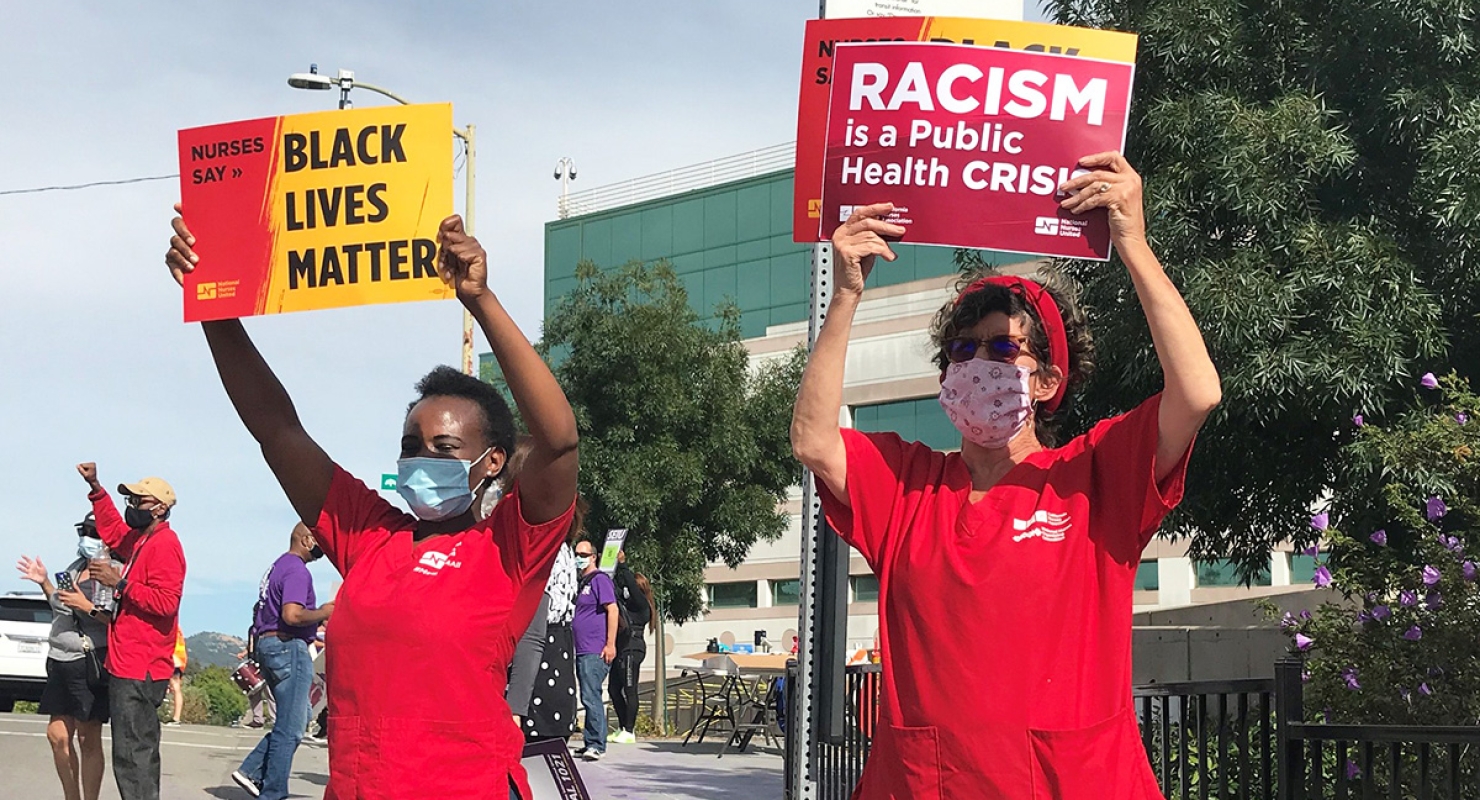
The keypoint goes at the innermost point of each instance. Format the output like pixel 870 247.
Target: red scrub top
pixel 423 633
pixel 1006 624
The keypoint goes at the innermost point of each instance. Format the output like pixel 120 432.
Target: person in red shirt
pixel 1040 542
pixel 146 616
pixel 417 709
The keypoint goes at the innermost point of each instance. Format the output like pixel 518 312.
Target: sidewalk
pixel 665 770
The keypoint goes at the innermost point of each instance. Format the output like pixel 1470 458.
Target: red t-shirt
pixel 1006 624
pixel 146 615
pixel 423 633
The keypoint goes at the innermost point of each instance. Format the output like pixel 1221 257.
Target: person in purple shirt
pixel 284 622
pixel 595 628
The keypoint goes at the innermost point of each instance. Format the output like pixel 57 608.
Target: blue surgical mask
pixel 90 548
pixel 435 488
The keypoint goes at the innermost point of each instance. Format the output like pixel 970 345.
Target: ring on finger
pixel 1104 187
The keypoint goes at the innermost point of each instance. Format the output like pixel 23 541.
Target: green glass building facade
pixel 733 242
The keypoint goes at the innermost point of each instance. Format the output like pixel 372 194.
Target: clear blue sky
pixel 95 363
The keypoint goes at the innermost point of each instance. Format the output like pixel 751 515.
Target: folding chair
pixel 758 711
pixel 717 705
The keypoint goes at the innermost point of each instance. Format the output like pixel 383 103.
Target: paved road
pixel 198 762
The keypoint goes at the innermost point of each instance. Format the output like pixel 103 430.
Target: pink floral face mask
pixel 987 401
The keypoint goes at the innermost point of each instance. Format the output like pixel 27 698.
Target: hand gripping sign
pixel 824 35
pixel 311 211
pixel 970 144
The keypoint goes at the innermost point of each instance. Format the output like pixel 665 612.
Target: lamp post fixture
pixel 565 172
pixel 344 80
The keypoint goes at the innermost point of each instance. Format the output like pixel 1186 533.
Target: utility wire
pixel 74 186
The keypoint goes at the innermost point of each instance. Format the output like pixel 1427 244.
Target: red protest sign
pixel 970 144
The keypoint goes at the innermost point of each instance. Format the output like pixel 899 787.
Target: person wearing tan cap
pixel 141 640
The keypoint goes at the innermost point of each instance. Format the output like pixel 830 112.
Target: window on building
pixel 787 592
pixel 1303 567
pixel 734 595
pixel 1222 572
pixel 1148 576
pixel 865 588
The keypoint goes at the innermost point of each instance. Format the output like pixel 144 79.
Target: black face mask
pixel 137 518
pixel 316 553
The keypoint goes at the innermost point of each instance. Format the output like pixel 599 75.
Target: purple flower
pixel 1430 576
pixel 1407 598
pixel 1405 694
pixel 1423 689
pixel 1413 634
pixel 1358 421
pixel 1320 522
pixel 1381 613
pixel 1467 569
pixel 1305 614
pixel 1433 600
pixel 1305 676
pixel 1349 675
pixel 1461 417
pixel 1303 642
pixel 1428 381
pixel 1435 509
pixel 1379 538
pixel 1323 577
pixel 1288 621
pixel 1364 617
pixel 1352 770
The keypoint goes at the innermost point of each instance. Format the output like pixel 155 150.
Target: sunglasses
pixel 1005 348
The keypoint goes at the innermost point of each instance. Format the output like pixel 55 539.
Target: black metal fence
pixel 1221 740
pixel 1210 739
pixel 1320 761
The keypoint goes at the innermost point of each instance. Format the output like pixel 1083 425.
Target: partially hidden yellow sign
pixel 311 211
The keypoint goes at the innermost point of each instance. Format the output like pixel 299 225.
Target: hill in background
pixel 213 649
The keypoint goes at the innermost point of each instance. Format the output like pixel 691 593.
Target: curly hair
pixel 498 421
pixel 955 320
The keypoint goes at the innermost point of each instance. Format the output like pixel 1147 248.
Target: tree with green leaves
pixel 1310 185
pixel 683 443
pixel 1404 542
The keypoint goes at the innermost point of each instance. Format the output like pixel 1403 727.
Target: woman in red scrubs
pixel 417 708
pixel 1006 570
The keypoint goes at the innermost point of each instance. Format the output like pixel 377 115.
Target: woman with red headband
pixel 1006 570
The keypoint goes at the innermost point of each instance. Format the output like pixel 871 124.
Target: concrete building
pixel 725 227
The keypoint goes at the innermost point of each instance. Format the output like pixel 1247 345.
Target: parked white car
pixel 25 628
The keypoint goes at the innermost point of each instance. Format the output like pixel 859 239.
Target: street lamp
pixel 565 172
pixel 344 80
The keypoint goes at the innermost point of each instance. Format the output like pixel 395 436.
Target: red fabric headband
pixel 1047 311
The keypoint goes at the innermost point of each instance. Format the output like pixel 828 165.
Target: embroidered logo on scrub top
pixel 1042 525
pixel 432 561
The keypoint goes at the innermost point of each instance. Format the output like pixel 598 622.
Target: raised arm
pixel 111 528
pixel 1192 387
pixel 547 484
pixel 301 466
pixel 816 440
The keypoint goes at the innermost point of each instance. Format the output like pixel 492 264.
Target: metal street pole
pixel 345 81
pixel 565 172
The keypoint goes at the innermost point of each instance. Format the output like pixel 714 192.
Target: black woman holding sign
pixel 1040 542
pixel 409 720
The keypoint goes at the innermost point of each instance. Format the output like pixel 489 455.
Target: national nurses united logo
pixel 432 561
pixel 1042 525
